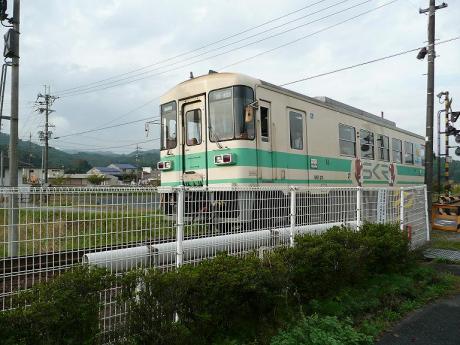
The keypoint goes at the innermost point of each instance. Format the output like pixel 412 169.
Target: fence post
pixel 401 209
pixel 358 208
pixel 13 220
pixel 427 216
pixel 180 226
pixel 293 215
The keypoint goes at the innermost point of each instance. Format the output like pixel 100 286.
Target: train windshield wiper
pixel 213 134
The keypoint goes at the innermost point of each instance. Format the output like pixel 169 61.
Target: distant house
pixel 124 168
pixel 149 176
pixel 37 175
pixel 79 180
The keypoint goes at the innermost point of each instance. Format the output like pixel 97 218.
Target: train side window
pixel 168 125
pixel 396 145
pixel 367 144
pixel 347 140
pixel 296 130
pixel 264 124
pixel 408 153
pixel 193 127
pixel 383 144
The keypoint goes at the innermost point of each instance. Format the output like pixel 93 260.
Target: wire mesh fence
pixel 45 231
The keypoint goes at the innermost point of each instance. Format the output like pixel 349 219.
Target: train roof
pixel 215 80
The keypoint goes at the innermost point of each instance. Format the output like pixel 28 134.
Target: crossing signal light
pixel 11 49
pixel 422 53
pixel 451 130
pixel 454 116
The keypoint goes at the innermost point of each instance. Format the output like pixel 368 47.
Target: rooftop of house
pixel 107 170
pixel 123 166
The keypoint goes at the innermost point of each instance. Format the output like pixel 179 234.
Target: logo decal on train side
pixel 378 171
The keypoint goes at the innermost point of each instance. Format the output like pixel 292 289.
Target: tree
pixel 79 166
pixel 96 179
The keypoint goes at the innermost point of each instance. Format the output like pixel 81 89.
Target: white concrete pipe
pixel 164 254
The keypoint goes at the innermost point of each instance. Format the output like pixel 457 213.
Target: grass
pixel 60 230
pixel 445 240
pixel 376 304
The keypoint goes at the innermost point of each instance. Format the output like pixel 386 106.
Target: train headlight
pixel 225 159
pixel 166 165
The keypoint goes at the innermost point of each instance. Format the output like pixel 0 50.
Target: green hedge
pixel 226 300
pixel 249 298
pixel 320 265
pixel 224 297
pixel 64 310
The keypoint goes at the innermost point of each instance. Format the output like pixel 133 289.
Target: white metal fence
pixel 44 231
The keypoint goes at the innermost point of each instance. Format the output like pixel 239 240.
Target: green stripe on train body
pixel 247 157
pixel 403 170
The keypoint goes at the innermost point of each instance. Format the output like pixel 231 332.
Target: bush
pixel 315 330
pixel 64 310
pixel 226 297
pixel 321 264
pixel 387 248
pixel 153 299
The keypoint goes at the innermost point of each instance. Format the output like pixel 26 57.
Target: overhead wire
pixel 199 48
pixel 149 74
pixel 309 35
pixel 106 127
pixel 390 56
pixel 306 78
pixel 404 52
pixel 122 146
pixel 137 108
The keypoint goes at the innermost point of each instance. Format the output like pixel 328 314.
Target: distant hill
pixel 75 161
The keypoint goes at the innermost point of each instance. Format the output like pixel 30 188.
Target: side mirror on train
pixel 249 111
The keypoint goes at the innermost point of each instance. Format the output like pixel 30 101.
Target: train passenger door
pixel 194 147
pixel 264 144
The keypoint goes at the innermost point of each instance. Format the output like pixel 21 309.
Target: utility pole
pixel 1 168
pixel 137 162
pixel 13 154
pixel 446 142
pixel 30 150
pixel 44 102
pixel 431 10
pixel 12 51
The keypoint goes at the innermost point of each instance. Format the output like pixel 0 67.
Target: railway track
pixel 21 273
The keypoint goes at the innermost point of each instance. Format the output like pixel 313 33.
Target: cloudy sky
pixel 76 45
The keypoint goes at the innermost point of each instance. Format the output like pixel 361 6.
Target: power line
pixel 284 84
pixel 309 35
pixel 149 74
pixel 121 146
pixel 107 127
pixel 199 48
pixel 211 50
pixel 130 111
pixel 365 63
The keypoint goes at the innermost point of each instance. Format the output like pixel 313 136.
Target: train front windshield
pixel 227 116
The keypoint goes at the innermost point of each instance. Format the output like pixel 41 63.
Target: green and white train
pixel 226 129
